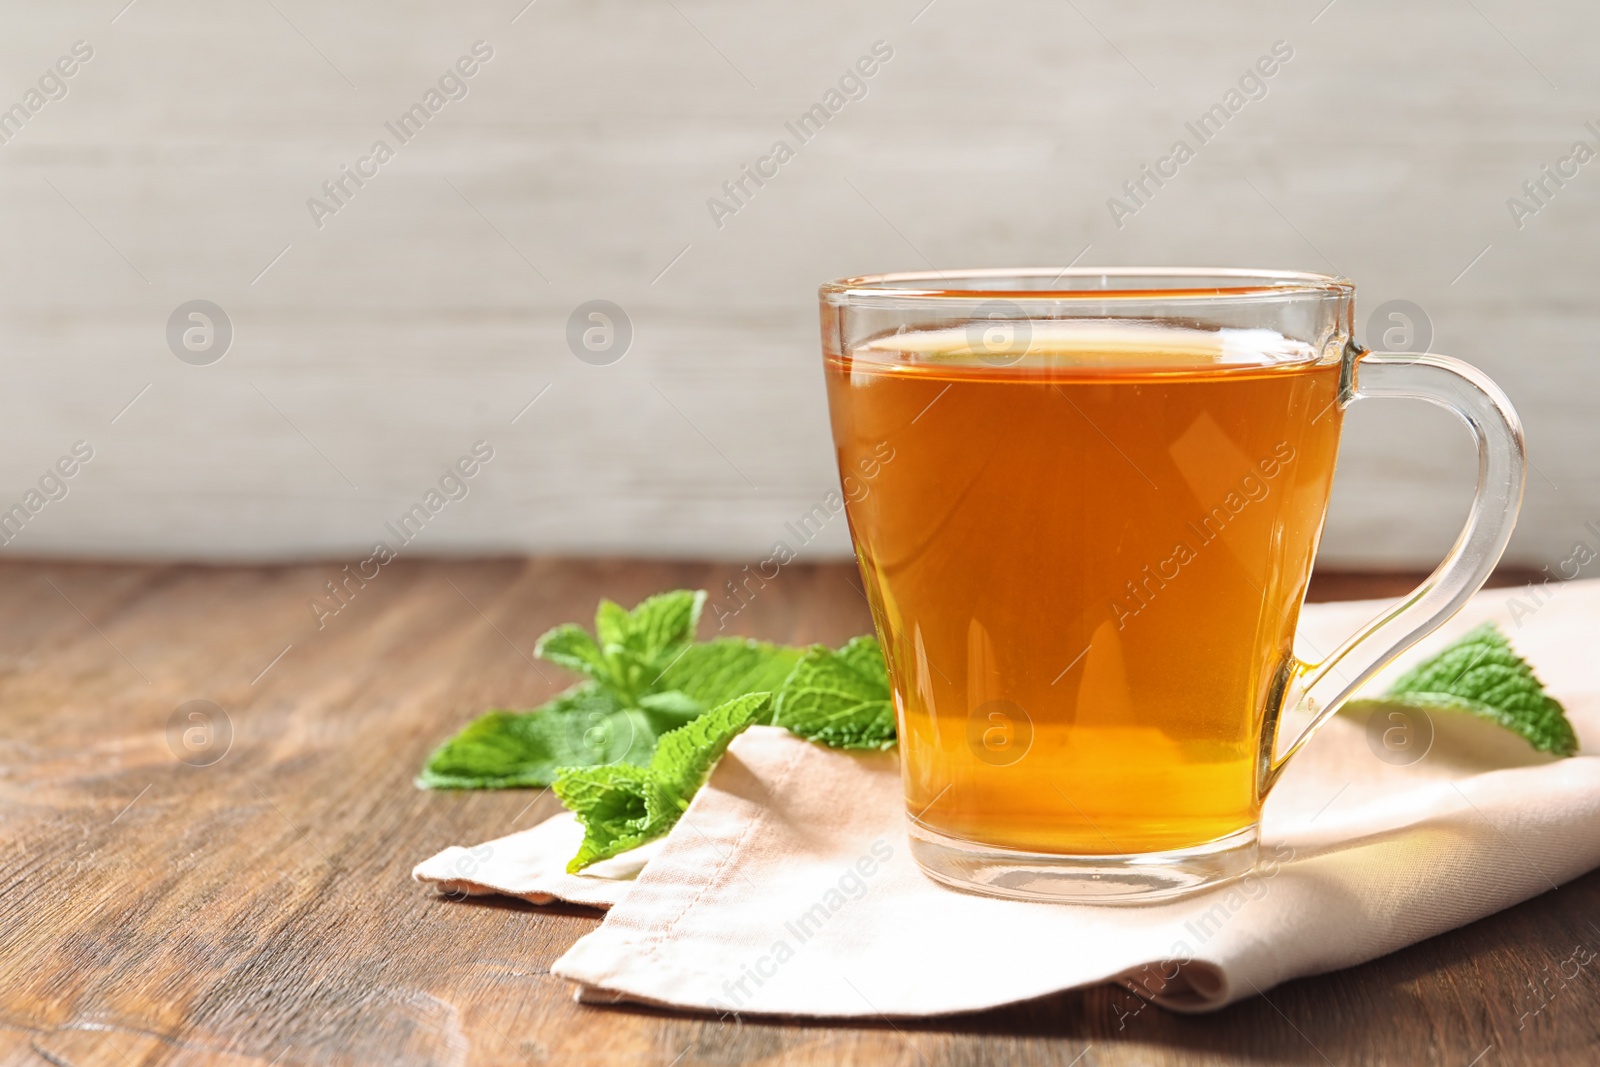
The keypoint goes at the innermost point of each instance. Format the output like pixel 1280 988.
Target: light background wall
pixel 370 352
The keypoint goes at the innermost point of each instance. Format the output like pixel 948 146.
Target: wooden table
pixel 259 909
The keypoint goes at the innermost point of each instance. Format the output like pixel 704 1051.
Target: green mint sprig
pixel 1481 674
pixel 645 677
pixel 627 748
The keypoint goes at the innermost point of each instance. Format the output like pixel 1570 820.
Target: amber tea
pixel 1064 560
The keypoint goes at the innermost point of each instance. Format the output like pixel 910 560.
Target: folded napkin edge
pixel 599 971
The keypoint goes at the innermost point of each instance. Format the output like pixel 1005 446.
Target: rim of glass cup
pixel 1099 284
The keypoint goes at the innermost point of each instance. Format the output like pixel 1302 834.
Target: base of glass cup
pixel 1139 878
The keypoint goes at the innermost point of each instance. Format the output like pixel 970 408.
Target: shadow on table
pixel 497 902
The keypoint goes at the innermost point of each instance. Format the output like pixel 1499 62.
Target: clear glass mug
pixel 1085 504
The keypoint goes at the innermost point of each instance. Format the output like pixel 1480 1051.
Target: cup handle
pixel 1502 469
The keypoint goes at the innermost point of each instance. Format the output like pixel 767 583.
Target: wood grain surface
pixel 258 909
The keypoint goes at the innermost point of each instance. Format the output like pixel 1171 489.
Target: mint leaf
pixel 645 677
pixel 611 622
pixel 839 698
pixel 621 807
pixel 611 804
pixel 671 709
pixel 506 749
pixel 630 649
pixel 717 671
pixel 672 704
pixel 865 656
pixel 571 647
pixel 684 757
pixel 1482 674
pixel 661 625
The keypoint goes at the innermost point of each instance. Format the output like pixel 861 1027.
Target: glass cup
pixel 1085 504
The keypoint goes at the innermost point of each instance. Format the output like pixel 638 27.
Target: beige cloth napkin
pixel 788 887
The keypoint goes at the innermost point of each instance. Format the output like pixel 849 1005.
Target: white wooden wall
pixel 371 352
